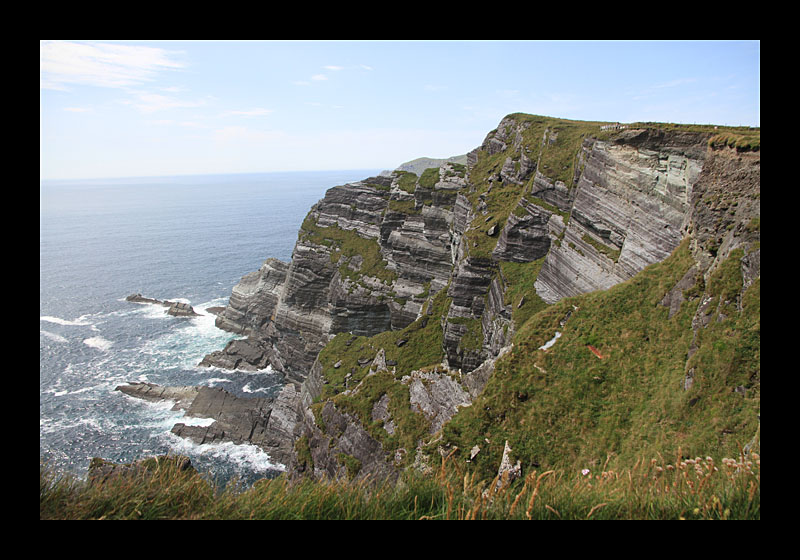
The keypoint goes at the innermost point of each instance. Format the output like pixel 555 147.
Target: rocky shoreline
pixel 258 421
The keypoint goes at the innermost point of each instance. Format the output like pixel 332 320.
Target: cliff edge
pixel 405 292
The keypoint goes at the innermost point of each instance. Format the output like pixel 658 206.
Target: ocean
pixel 181 238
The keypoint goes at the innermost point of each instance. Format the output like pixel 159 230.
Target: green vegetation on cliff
pixel 550 145
pixel 634 412
pixel 346 362
pixel 568 408
pixel 624 380
pixel 346 244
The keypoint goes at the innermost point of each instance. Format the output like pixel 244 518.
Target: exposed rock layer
pixel 371 255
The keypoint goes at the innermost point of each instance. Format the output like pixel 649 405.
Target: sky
pixel 156 108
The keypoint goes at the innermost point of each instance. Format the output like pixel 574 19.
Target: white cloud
pixel 319 77
pixel 674 83
pixel 334 68
pixel 63 64
pixel 148 102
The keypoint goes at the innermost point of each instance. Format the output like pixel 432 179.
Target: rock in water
pixel 175 308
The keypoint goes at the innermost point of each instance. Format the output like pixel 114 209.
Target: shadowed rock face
pixel 265 422
pixel 289 311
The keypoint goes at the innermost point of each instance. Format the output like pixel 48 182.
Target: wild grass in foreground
pixel 697 488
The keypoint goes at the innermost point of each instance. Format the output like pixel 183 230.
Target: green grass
pixel 520 294
pixel 699 488
pixel 407 181
pixel 429 178
pixel 565 408
pixel 747 142
pixel 603 249
pixel 422 350
pixel 557 160
pixel 472 339
pixel 346 244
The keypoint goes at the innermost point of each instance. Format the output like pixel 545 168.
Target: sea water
pixel 183 238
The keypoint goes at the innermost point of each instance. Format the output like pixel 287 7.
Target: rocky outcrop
pixel 437 396
pixel 253 300
pixel 265 422
pixel 526 235
pixel 339 447
pixel 368 256
pixel 174 308
pixel 248 354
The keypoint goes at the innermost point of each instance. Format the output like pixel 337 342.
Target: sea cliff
pixel 405 290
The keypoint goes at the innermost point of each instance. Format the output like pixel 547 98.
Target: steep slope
pixel 413 311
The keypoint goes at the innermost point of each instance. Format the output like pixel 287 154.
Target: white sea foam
pixel 191 340
pixel 195 421
pixel 215 380
pixel 248 389
pixel 53 336
pixel 244 455
pixel 80 321
pixel 267 369
pixel 99 343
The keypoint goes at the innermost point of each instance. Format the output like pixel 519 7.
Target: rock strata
pixel 630 206
pixel 368 257
pixel 593 209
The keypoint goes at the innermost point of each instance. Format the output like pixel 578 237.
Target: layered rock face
pixel 630 210
pixel 371 253
pixel 367 258
pixel 591 209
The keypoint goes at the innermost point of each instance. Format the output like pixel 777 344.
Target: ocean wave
pixel 99 343
pixel 215 380
pixel 216 369
pixel 79 322
pixel 248 389
pixel 243 455
pixel 161 416
pixel 53 336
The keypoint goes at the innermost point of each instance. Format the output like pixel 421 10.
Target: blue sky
pixel 151 108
